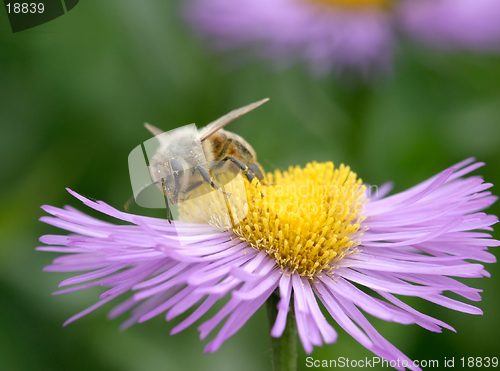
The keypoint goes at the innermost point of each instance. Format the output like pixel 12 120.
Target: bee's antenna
pixel 133 198
pixel 153 129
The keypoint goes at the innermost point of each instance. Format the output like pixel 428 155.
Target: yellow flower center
pixel 306 219
pixel 355 3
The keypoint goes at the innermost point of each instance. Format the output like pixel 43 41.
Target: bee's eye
pixel 176 165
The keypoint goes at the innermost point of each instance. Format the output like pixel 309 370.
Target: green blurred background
pixel 74 94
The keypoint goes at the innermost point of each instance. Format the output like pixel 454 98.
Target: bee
pixel 184 158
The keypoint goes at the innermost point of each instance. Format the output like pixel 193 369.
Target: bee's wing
pixel 226 119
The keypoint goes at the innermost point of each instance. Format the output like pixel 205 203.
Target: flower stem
pixel 284 348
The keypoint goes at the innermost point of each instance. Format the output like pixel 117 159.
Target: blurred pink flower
pixel 471 24
pixel 343 34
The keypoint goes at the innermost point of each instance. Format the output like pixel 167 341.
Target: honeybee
pixel 184 158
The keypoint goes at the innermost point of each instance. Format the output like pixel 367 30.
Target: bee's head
pixel 170 174
pixel 172 166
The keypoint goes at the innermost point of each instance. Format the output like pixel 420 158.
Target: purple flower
pixel 471 24
pixel 316 233
pixel 354 34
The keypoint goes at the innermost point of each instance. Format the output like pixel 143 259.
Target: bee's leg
pixel 257 171
pixel 248 173
pixel 169 212
pixel 251 171
pixel 208 179
pixel 246 170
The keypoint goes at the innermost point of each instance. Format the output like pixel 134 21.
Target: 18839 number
pixel 25 8
pixel 477 362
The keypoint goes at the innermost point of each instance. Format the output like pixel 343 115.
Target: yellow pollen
pixel 307 219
